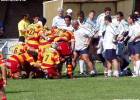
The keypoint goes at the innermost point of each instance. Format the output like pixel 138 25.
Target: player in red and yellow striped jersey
pixel 32 37
pixel 48 61
pixel 14 63
pixel 3 81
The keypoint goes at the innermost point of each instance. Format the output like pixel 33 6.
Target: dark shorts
pixel 110 54
pixel 137 47
pixel 131 48
pixel 84 51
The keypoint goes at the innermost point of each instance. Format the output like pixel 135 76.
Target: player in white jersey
pixel 81 19
pixel 109 45
pixel 82 39
pixel 101 26
pixel 122 54
pixel 134 47
pixel 58 21
pixel 68 25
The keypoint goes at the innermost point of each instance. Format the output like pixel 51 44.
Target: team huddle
pixel 42 52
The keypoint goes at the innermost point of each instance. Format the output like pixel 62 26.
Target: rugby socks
pixel 81 65
pixel 134 69
pixel 116 73
pixel 109 73
pixel 138 68
pixel 92 72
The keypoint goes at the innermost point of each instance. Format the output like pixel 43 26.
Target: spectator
pixel 1 28
pixel 23 24
pixel 58 21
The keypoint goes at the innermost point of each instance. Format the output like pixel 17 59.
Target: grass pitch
pixel 96 88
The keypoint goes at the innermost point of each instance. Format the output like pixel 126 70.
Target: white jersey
pixel 81 37
pixel 58 22
pixel 109 37
pixel 69 28
pixel 101 23
pixel 134 31
pixel 121 25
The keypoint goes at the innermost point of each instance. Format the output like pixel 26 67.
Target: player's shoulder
pixel 101 15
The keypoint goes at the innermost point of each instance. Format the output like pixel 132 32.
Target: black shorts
pixel 110 54
pixel 137 47
pixel 131 48
pixel 84 51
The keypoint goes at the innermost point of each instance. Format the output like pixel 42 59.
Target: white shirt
pixel 134 31
pixel 69 28
pixel 109 37
pixel 81 36
pixel 100 23
pixel 58 22
pixel 121 25
pixel 91 24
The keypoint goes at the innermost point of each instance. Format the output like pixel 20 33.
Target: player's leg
pixel 109 68
pixel 115 62
pixel 74 59
pixel 81 66
pixel 137 58
pixel 90 65
pixel 69 67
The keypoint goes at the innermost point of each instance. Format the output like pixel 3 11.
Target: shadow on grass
pixel 12 92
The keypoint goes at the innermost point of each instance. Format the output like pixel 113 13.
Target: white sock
pixel 116 73
pixel 81 65
pixel 134 69
pixel 137 67
pixel 92 72
pixel 109 73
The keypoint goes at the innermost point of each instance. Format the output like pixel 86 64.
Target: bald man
pixel 82 38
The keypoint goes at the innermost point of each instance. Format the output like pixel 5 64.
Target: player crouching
pixel 48 61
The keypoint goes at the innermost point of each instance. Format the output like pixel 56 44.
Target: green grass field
pixel 96 88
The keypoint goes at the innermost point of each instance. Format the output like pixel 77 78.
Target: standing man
pixel 68 25
pixel 110 46
pixel 82 37
pixel 58 21
pixel 101 26
pixel 123 29
pixel 23 24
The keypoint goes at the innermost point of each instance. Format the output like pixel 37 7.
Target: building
pixel 10 12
